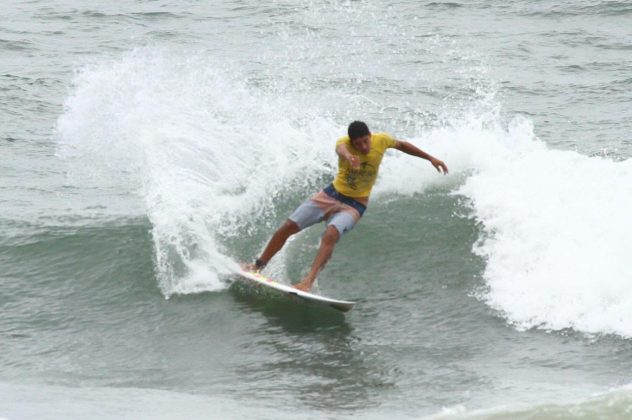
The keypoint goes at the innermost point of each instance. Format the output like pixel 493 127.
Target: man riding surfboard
pixel 342 203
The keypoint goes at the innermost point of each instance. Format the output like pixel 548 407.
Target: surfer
pixel 343 202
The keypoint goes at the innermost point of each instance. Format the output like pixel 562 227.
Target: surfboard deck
pixel 289 291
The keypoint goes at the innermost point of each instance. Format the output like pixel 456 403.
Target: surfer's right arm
pixel 345 154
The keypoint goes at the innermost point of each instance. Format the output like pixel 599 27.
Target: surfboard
pixel 295 294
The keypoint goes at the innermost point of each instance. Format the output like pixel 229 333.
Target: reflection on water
pixel 317 358
pixel 292 314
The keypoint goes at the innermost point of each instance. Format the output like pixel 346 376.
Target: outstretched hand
pixel 439 166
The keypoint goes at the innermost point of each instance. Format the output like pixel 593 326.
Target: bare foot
pixel 305 286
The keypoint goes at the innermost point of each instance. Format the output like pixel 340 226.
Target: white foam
pixel 556 231
pixel 199 148
pixel 556 225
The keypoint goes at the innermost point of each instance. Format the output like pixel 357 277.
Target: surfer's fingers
pixel 440 167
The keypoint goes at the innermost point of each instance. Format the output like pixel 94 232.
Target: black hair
pixel 358 129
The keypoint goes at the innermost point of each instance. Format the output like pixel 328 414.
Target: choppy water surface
pixel 148 147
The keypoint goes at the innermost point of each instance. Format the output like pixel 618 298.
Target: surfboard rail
pixel 260 279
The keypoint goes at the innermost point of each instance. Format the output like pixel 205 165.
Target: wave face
pixel 555 228
pixel 219 162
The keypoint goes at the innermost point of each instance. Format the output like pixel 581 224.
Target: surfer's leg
pixel 340 222
pixel 327 245
pixel 279 238
pixel 307 214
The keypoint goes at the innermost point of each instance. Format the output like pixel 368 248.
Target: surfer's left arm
pixel 411 149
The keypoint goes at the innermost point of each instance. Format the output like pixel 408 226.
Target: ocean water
pixel 148 147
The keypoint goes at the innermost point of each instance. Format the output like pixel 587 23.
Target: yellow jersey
pixel 358 182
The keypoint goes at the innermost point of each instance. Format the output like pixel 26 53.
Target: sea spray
pixel 204 153
pixel 556 234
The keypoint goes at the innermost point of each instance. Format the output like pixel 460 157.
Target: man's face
pixel 362 144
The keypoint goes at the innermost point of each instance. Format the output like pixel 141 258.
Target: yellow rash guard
pixel 358 182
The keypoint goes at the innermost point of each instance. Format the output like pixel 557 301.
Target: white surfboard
pixel 260 279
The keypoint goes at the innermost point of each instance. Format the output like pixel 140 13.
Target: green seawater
pixel 147 148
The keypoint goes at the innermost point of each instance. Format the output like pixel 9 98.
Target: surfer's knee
pixel 331 235
pixel 289 227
